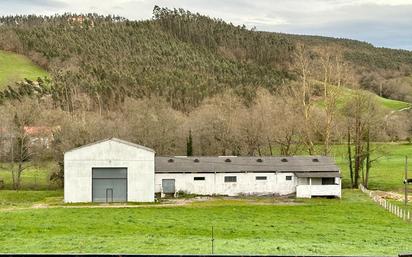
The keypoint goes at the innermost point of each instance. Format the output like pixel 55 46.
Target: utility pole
pixel 406 181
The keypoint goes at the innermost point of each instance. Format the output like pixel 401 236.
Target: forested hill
pixel 182 56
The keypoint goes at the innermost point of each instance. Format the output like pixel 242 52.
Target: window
pixel 328 181
pixel 261 178
pixel 198 178
pixel 288 177
pixel 230 178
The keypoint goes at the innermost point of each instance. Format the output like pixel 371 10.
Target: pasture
pixel 351 226
pixel 15 67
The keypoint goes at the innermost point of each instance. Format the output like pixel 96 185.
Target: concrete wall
pixel 78 165
pixel 317 189
pixel 214 183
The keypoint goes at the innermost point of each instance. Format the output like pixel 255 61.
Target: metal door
pixel 168 186
pixel 109 184
pixel 109 195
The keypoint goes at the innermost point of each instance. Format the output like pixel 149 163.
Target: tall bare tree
pixel 303 65
pixel 364 119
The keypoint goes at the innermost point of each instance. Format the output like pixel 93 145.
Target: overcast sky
pixel 385 23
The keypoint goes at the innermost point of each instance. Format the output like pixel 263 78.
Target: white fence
pixel 394 209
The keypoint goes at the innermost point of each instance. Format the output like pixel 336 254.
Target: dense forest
pixel 179 55
pixel 183 77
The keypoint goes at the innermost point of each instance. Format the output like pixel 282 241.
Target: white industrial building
pixel 114 170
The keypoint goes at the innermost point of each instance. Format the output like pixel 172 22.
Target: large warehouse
pixel 114 170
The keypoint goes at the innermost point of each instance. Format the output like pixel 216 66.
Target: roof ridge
pixel 121 141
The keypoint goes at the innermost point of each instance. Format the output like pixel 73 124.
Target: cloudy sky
pixel 385 23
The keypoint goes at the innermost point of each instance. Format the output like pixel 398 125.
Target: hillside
pixel 14 68
pixel 182 56
pixel 345 94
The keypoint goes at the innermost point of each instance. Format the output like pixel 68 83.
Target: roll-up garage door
pixel 109 184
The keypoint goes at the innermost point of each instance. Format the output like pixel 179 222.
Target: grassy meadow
pixel 35 177
pixel 14 67
pixel 351 226
pixel 387 172
pixel 345 94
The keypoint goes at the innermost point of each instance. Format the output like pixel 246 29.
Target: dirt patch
pixel 391 195
pixel 171 202
pixel 39 206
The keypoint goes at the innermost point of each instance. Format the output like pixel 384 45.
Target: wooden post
pixel 406 181
pixel 213 242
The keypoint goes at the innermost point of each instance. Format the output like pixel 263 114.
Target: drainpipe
pixel 310 187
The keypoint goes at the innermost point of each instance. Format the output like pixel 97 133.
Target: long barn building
pixel 114 170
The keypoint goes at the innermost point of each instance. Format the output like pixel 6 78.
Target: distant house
pixel 40 135
pixel 114 170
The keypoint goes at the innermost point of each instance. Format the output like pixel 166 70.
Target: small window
pixel 328 181
pixel 288 177
pixel 261 178
pixel 230 178
pixel 198 178
pixel 170 160
pixel 284 160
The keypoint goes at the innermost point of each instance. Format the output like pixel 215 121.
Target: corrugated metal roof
pixel 248 164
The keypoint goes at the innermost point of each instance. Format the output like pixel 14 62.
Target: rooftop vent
pixel 196 160
pixel 170 160
pixel 315 160
pixel 228 160
pixel 284 160
pixel 259 160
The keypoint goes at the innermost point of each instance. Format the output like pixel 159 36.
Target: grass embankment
pixel 15 67
pixel 24 199
pixel 351 226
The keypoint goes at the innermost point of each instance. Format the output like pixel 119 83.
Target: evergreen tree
pixel 189 144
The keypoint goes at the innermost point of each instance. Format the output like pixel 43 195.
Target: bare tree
pixel 216 125
pixel 22 114
pixel 303 65
pixel 364 119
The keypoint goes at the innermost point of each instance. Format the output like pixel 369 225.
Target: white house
pixel 114 170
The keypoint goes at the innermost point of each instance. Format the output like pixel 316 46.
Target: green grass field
pixel 351 226
pixel 344 94
pixel 387 172
pixel 35 177
pixel 14 67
